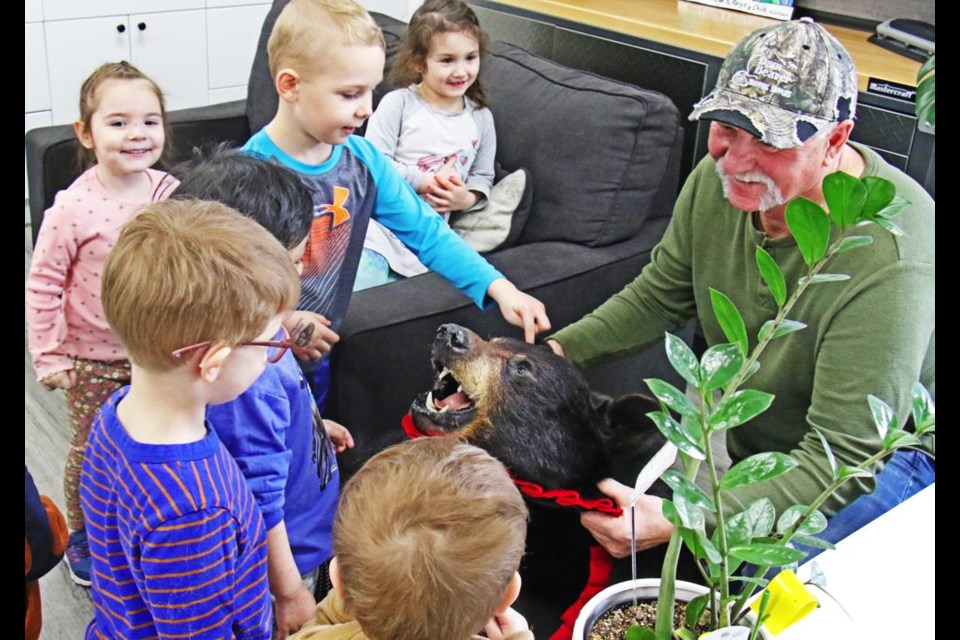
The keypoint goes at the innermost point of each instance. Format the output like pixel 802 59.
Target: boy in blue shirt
pixel 196 293
pixel 326 58
pixel 273 429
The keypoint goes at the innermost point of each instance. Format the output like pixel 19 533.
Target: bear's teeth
pixel 445 409
pixel 444 373
pixel 429 401
pixel 459 388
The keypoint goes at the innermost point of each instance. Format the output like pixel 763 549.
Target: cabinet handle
pixel 121 28
pixel 142 26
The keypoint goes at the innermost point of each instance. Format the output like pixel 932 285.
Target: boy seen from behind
pixel 326 58
pixel 196 293
pixel 428 540
pixel 273 430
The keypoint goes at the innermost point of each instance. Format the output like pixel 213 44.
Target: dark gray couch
pixel 604 160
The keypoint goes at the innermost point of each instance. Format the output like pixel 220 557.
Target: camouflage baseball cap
pixel 783 83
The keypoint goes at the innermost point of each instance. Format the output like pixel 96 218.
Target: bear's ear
pixel 626 427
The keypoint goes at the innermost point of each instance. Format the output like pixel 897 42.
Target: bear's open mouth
pixel 447 393
pixel 446 406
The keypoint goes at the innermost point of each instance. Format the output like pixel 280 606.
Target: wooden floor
pixel 66 607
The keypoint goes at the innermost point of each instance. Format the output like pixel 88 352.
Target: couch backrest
pixel 599 150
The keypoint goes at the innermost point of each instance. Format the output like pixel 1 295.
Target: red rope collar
pixel 563 497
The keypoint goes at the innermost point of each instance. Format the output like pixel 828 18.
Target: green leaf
pixel 685 634
pixel 719 364
pixel 845 472
pixel 928 66
pixel 771 274
pixel 760 582
pixel 742 406
pixel 636 632
pixel 765 554
pixel 812 541
pixel 852 242
pixel 923 410
pixel 683 360
pixel 895 208
pixel 845 197
pixel 816 523
pixel 730 320
pixel 695 609
pixel 712 554
pixel 883 415
pixel 786 326
pixel 690 492
pixel 690 514
pixel 670 513
pixel 757 468
pixel 753 522
pixel 672 397
pixel 810 227
pixel 832 459
pixel 889 226
pixel 899 438
pixel 690 538
pixel 672 431
pixel 880 193
pixel 820 278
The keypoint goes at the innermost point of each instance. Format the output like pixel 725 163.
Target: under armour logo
pixel 339 212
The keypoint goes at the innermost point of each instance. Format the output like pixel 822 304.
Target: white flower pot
pixel 645 589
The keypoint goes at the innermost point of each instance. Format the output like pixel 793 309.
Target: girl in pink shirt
pixel 122 129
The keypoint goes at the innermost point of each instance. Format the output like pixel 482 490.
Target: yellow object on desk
pixel 789 602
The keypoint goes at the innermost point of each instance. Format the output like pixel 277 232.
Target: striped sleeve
pixel 195 582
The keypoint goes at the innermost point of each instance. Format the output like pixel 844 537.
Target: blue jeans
pixel 904 474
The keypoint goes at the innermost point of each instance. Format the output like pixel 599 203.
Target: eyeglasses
pixel 275 348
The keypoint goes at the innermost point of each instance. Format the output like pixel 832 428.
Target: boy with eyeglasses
pixel 176 536
pixel 273 429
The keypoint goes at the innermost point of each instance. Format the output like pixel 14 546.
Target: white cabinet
pixel 169 47
pixel 72 9
pixel 232 35
pixel 32 11
pixel 36 86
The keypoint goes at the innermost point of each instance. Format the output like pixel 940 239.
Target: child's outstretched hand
pixel 505 624
pixel 519 309
pixel 60 380
pixel 339 435
pixel 311 334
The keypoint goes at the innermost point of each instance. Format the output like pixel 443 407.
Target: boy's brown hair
pixel 188 271
pixel 437 523
pixel 305 28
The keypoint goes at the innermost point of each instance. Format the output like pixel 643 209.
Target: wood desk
pixel 677 48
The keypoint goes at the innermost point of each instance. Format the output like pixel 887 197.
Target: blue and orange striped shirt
pixel 177 540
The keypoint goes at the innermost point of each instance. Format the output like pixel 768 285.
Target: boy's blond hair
pixel 439 525
pixel 187 271
pixel 306 28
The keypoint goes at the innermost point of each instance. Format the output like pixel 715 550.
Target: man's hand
pixel 556 347
pixel 294 610
pixel 60 380
pixel 613 534
pixel 339 435
pixel 505 625
pixel 311 334
pixel 519 309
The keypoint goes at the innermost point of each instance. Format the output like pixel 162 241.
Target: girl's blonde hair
pixel 432 18
pixel 90 101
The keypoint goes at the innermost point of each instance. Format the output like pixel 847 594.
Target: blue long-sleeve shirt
pixel 178 546
pixel 287 459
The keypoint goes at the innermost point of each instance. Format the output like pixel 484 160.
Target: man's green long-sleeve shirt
pixel 873 334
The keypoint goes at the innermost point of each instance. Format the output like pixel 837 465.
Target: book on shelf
pixel 778 9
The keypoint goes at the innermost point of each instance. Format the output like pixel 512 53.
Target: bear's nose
pixel 453 336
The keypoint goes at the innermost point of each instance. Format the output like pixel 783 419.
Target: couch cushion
pixel 597 149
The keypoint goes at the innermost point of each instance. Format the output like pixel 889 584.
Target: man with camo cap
pixel 780 120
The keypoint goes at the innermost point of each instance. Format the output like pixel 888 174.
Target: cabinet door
pixel 232 35
pixel 171 49
pixel 36 85
pixel 32 11
pixel 74 49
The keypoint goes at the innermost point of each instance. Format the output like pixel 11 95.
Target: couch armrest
pixel 383 359
pixel 52 152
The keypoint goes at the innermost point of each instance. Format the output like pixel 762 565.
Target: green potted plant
pixel 927 95
pixel 756 535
